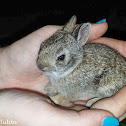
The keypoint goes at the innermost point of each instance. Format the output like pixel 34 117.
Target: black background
pixel 19 18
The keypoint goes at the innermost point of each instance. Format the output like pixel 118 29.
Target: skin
pixel 18 70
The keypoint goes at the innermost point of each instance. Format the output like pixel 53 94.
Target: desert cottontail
pixel 77 70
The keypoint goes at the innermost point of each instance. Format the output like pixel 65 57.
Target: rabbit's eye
pixel 61 58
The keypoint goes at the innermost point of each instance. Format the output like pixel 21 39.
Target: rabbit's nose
pixel 40 66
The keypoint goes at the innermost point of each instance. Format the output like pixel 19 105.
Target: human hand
pixel 18 65
pixel 31 109
pixel 23 73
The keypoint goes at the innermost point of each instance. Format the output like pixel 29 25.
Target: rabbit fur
pixel 78 70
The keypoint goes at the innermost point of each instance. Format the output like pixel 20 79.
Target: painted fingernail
pixel 101 21
pixel 110 121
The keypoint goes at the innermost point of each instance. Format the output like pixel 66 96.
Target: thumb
pixel 97 117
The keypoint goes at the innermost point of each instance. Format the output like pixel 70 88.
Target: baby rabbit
pixel 77 70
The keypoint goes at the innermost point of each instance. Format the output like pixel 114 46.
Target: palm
pixel 30 109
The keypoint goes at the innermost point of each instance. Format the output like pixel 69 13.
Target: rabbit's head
pixel 61 53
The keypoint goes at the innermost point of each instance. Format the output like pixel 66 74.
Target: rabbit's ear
pixel 69 26
pixel 83 33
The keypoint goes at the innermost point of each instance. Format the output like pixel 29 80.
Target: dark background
pixel 21 18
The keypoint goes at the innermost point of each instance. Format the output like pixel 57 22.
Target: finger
pixel 93 117
pixel 118 45
pixel 115 104
pixel 40 35
pixel 44 33
pixel 97 30
pixel 122 117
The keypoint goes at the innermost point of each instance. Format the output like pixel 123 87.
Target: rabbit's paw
pixel 92 101
pixel 61 100
pixel 51 91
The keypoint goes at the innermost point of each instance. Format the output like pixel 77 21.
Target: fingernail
pixel 110 121
pixel 101 21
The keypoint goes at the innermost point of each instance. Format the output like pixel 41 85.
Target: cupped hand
pixel 29 109
pixel 18 69
pixel 18 65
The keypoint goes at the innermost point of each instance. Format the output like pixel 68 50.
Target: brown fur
pixel 88 70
